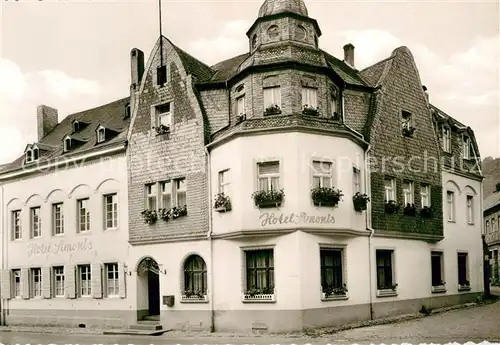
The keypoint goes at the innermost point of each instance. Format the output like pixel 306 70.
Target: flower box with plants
pixel 265 294
pixel 391 207
pixel 268 198
pixel 222 203
pixel 150 216
pixel 408 131
pixel 439 287
pixel 410 210
pixel 360 201
pixel 426 212
pixel 272 110
pixel 193 296
pixel 387 290
pixel 162 129
pixel 326 196
pixel 330 292
pixel 172 213
pixel 465 285
pixel 307 110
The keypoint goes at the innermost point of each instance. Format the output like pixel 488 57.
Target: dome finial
pixel 270 7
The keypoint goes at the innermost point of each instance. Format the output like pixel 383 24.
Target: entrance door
pixel 153 293
pixel 148 285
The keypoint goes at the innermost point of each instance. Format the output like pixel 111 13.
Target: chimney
pixel 136 70
pixel 497 187
pixel 349 54
pixel 426 93
pixel 46 120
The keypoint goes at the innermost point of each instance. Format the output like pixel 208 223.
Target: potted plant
pixel 307 110
pixel 268 198
pixel 273 109
pixel 150 216
pixel 410 210
pixel 162 129
pixel 191 293
pixel 408 131
pixel 426 212
pixel 173 213
pixel 391 207
pixel 222 203
pixel 360 201
pixel 334 291
pixel 326 196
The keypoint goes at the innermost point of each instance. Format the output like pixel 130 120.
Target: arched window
pixel 67 144
pixel 195 276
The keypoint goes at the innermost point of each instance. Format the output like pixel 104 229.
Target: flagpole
pixel 161 40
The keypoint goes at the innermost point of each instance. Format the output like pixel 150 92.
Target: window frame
pixel 101 135
pixel 224 181
pixel 35 285
pixel 275 92
pixel 113 283
pixel 151 193
pixel 58 207
pixel 38 223
pixel 240 105
pixel 309 97
pixel 16 283
pixel 466 147
pixel 382 289
pixel 178 191
pixel 16 225
pixel 356 180
pixel 87 287
pixel 440 287
pixel 450 208
pixel 334 103
pixel 193 276
pixel 166 114
pixel 79 203
pixel 464 286
pixel 446 138
pixel 66 144
pixel 408 193
pixel 469 209
pixel 343 270
pixel 268 176
pixel 322 175
pixel 425 194
pixel 487 226
pixel 55 281
pixel 391 189
pixel 114 210
pixel 261 297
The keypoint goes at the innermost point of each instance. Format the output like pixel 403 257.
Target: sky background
pixel 74 55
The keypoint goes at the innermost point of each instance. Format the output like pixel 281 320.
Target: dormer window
pixel 31 154
pixel 76 126
pixel 35 154
pixel 67 144
pixel 127 111
pixel 28 156
pixel 101 134
pixel 446 139
pixel 466 147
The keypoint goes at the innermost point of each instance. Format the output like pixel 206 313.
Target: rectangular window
pixel 466 147
pixel 240 105
pixel 406 120
pixel 269 176
pixel 112 287
pixel 356 180
pixel 161 75
pixel 470 209
pixel 111 211
pixel 164 114
pixel 331 269
pixel 437 268
pixel 390 189
pixel 425 195
pixel 16 225
pixel 408 193
pixel 446 140
pixel 101 137
pixel 36 282
pixel 260 271
pixel 151 193
pixel 224 182
pixel 58 276
pixel 493 225
pixel 36 226
pixel 450 205
pixel 462 269
pixel 310 97
pixel 166 194
pixel 272 97
pixel 334 103
pixel 83 216
pixel 385 279
pixel 180 192
pixel 16 283
pixel 58 218
pixel 84 280
pixel 322 174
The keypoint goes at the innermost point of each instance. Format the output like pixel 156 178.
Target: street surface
pixel 460 326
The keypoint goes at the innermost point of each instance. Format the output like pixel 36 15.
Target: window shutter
pixel 122 280
pixel 96 276
pixel 46 278
pixel 6 283
pixel 69 281
pixel 25 283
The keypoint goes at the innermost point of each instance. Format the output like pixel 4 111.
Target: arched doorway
pixel 148 285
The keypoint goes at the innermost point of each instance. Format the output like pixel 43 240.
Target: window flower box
pixel 269 198
pixel 173 213
pixel 259 295
pixel 222 203
pixel 324 196
pixel 387 291
pixel 307 110
pixel 334 293
pixel 465 286
pixel 426 212
pixel 441 287
pixel 410 210
pixel 150 216
pixel 272 110
pixel 194 297
pixel 162 129
pixel 391 207
pixel 408 131
pixel 360 201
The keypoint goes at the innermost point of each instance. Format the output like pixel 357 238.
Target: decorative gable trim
pixel 78 125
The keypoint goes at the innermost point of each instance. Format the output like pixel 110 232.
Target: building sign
pixel 302 218
pixel 60 247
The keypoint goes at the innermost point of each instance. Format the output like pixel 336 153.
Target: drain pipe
pixel 369 226
pixel 3 228
pixel 209 236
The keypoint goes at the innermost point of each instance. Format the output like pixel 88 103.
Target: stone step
pixel 147 326
pixel 151 318
pixel 129 331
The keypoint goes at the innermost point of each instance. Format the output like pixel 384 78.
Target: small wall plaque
pixel 169 300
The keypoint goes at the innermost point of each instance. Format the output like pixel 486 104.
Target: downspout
pixel 209 236
pixel 3 229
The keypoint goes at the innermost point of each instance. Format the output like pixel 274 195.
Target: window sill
pixel 58 235
pixel 194 299
pixel 451 221
pixel 84 233
pixel 112 229
pixel 387 293
pixel 463 287
pixel 470 223
pixel 325 298
pixel 260 298
pixel 438 289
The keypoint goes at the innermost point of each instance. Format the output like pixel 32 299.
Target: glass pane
pixel 316 181
pixel 181 199
pixel 263 184
pixel 327 182
pixel 275 183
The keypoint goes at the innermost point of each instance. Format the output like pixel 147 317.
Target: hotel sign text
pixel 59 247
pixel 271 218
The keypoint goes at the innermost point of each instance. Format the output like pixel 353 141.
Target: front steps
pixel 149 325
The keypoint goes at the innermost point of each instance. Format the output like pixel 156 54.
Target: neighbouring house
pixel 64 222
pixel 491 218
